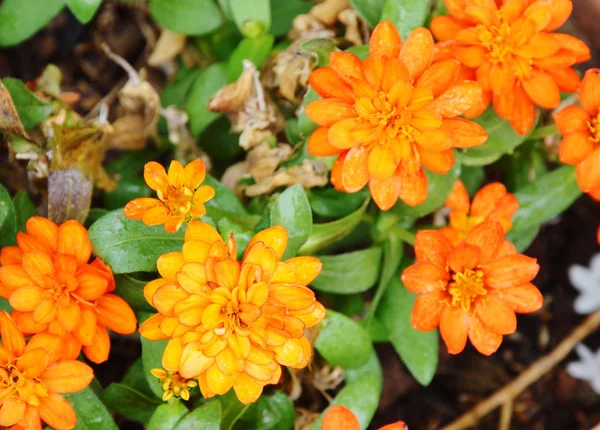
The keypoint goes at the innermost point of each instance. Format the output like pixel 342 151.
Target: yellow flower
pixel 180 196
pixel 233 323
pixel 173 384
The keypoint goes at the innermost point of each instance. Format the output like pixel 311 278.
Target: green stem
pixel 540 133
pixel 404 235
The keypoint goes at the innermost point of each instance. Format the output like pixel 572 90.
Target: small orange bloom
pixel 32 379
pixel 52 287
pixel 510 48
pixel 490 202
pixel 390 114
pixel 180 196
pixel 233 323
pixel 580 127
pixel 473 289
pixel 339 417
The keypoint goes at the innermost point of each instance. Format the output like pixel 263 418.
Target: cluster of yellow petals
pixel 233 323
pixel 181 197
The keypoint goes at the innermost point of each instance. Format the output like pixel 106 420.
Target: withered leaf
pixel 168 46
pixel 9 117
pixel 69 195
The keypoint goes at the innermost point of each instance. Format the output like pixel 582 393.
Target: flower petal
pixel 588 172
pixel 275 238
pixel 67 376
pixel 464 257
pixel 589 93
pixel 522 299
pixel 439 162
pixel 484 340
pixel 115 314
pixel 427 310
pixel 417 52
pixel 385 40
pixel 170 264
pixel 496 315
pixel 318 143
pixel 454 326
pixel 44 231
pixel 57 412
pixel 381 163
pixel 347 65
pixel 432 246
pixel 246 389
pixel 423 278
pixel 328 84
pixel 457 99
pixel 488 237
pixel 338 417
pixel 576 147
pixel 194 173
pixel 413 187
pixel 385 193
pixel 510 271
pixel 73 240
pixel 137 208
pixel 98 351
pixel 572 119
pixel 12 411
pixel 542 89
pixel 355 172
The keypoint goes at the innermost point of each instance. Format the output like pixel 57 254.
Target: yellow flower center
pixel 173 384
pixel 386 116
pixel 236 316
pixel 465 287
pixel 594 129
pixel 496 39
pixel 179 200
pixel 13 382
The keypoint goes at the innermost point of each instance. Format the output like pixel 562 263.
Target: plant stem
pixel 404 235
pixel 540 133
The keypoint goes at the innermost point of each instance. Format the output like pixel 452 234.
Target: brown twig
pixel 506 416
pixel 533 373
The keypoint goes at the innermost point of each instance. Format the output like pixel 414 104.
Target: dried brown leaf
pixel 69 195
pixel 328 11
pixel 128 133
pixel 168 46
pixel 309 174
pixel 9 118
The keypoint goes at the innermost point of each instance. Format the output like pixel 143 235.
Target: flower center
pixel 173 384
pixel 179 200
pixel 594 129
pixel 497 40
pixel 235 316
pixel 390 120
pixel 15 382
pixel 465 287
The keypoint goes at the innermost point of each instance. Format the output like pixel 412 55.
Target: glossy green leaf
pixel 84 10
pixel 152 352
pixel 91 412
pixel 30 108
pixel 224 198
pixel 253 18
pixel 326 234
pixel 418 350
pixel 131 163
pixel 343 342
pixel 8 219
pixel 211 80
pixel 132 290
pixel 254 50
pixel 274 412
pixel 545 198
pixel 439 189
pixel 284 12
pixel 502 139
pixel 521 239
pixel 305 125
pixel 192 17
pixel 361 51
pixel 349 273
pixel 136 379
pixel 229 143
pixel 231 409
pixel 370 10
pixel 472 177
pixel 128 402
pixel 525 165
pixel 167 415
pixel 127 245
pixel 320 48
pixel 177 91
pixel 331 203
pixel 19 20
pixel 206 417
pixel 361 392
pixel 292 211
pixel 24 209
pixel 127 189
pixel 406 15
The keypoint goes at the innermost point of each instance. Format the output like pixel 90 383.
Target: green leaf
pixel 326 234
pixel 207 417
pixel 361 51
pixel 224 198
pixel 24 209
pixel 128 246
pixel 242 236
pixel 521 239
pixel 136 379
pixel 343 342
pixel 128 402
pixel 253 18
pixel 176 92
pixel 167 415
pixel 232 409
pixel 274 412
pixel 524 166
pixel 305 125
pixel 94 215
pixel 192 17
pixel 331 203
pixel 152 352
pixel 349 273
pixel 255 50
pixel 30 108
pixel 132 291
pixel 545 198
pixel 84 10
pixel 91 412
pixel 8 219
pixel 320 48
pixel 229 143
pixel 20 20
pixel 370 10
pixel 502 139
pixel 361 393
pixel 292 211
pixel 472 177
pixel 127 189
pixel 438 190
pixel 418 350
pixel 406 15
pixel 284 12
pixel 211 80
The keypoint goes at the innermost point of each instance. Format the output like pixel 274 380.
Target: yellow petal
pixel 169 264
pixel 275 238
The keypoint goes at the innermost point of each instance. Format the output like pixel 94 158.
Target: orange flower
pixel 52 287
pixel 580 127
pixel 32 379
pixel 473 289
pixel 233 323
pixel 390 114
pixel 490 202
pixel 339 417
pixel 180 196
pixel 510 48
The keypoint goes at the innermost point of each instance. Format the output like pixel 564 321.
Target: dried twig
pixel 533 373
pixel 506 415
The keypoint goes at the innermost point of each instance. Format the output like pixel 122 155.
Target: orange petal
pixel 115 314
pixel 540 45
pixel 426 119
pixel 169 264
pixel 572 119
pixel 51 344
pixel 567 79
pixel 385 193
pixel 432 246
pixel 217 381
pixel 440 76
pixel 175 174
pixel 464 257
pixel 67 376
pixel 26 299
pixel 423 278
pixel 472 56
pixel 44 231
pixel 33 362
pixel 458 200
pixel 340 134
pixel 347 65
pixel 496 315
pixel 511 270
pixel 246 388
pixel 38 265
pixel 11 336
pixel 488 236
pixel 413 187
pixel 57 412
pixel 576 147
pixel 502 78
pixel 539 13
pixel 445 27
pixel 435 140
pixel 326 112
pixel 572 44
pixel 427 311
pixel 275 238
pixel 385 40
pixel 454 325
pixel 73 240
pixel 355 171
pixel 338 417
pixel 150 329
pixel 438 162
pixel 194 173
pixel 523 299
pixel 136 208
pixel 11 255
pixel 307 268
pixel 69 316
pixel 98 351
pixel 336 176
pixel 381 163
pixel 560 11
pixel 90 286
pixel 589 93
pixel 373 70
pixel 484 340
pixel 328 84
pixel 155 176
pixel 542 89
pixel 86 329
pixel 466 134
pixel 417 52
pixel 486 199
pixel 12 411
pixel 318 143
pixel 588 172
pixel 457 100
